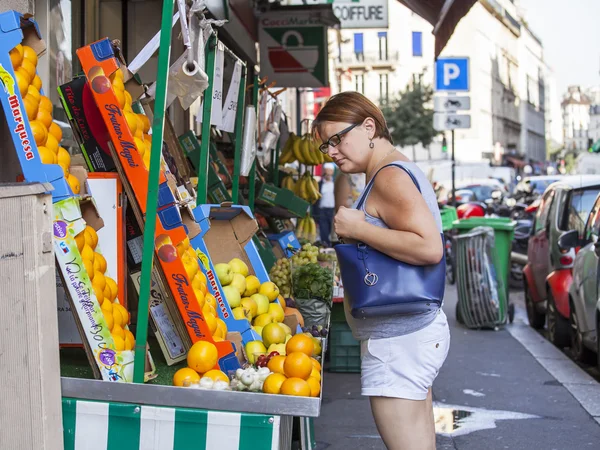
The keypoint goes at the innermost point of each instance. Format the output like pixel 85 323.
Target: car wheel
pixel 536 320
pixel 558 327
pixel 579 350
pixel 459 317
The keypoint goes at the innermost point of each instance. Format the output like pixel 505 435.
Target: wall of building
pixel 533 96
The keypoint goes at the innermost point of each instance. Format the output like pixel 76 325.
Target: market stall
pixel 173 329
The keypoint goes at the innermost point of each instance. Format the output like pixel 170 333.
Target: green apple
pixel 249 304
pixel 288 330
pixel 239 266
pixel 232 295
pixel 262 303
pixel 272 333
pixel 262 320
pixel 276 312
pixel 224 273
pixel 239 313
pixel 254 349
pixel 239 281
pixel 279 348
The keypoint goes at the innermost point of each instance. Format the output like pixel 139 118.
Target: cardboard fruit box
pixel 87 124
pixel 99 62
pixel 19 29
pixel 221 233
pixel 110 364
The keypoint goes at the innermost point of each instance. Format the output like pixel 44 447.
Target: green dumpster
pixel 504 230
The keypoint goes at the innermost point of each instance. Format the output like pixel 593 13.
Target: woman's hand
pixel 347 221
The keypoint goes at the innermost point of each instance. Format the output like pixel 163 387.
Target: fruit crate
pixel 344 350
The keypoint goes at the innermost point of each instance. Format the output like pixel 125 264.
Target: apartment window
pixel 359 46
pixel 383 88
pixel 359 83
pixel 383 45
pixel 417 43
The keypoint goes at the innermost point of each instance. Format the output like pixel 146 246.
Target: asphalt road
pixel 492 393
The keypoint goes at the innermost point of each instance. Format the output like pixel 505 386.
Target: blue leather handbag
pixel 376 284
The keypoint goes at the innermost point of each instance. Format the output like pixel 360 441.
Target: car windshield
pixel 581 203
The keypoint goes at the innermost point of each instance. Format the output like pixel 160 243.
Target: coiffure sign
pixel 355 14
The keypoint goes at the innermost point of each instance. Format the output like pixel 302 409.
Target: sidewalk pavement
pixel 492 393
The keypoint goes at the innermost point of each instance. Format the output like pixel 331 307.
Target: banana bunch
pixel 303 149
pixel 307 188
pixel 307 229
pixel 288 183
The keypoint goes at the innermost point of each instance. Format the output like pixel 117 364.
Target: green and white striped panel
pixel 92 425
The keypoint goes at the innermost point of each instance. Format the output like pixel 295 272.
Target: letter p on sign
pixel 452 74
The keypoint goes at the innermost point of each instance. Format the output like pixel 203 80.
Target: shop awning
pixel 444 15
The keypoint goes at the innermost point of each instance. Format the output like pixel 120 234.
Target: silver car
pixel 583 293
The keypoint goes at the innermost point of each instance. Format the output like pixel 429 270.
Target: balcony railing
pixel 369 59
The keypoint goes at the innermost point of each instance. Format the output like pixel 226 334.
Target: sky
pixel 570 33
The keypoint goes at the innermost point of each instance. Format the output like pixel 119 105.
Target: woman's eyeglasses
pixel 335 140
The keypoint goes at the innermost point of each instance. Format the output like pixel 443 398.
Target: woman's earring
pixel 371 145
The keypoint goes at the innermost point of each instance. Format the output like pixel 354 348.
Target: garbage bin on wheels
pixel 503 236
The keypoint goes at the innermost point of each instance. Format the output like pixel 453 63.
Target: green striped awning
pixel 122 426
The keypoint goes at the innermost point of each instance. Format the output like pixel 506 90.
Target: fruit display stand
pixel 151 415
pixel 38 155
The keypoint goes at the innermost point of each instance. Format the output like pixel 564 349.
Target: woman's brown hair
pixel 352 107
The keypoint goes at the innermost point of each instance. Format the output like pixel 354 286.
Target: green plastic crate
pixel 337 313
pixel 344 350
pixel 449 215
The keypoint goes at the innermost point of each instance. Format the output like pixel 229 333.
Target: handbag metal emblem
pixel 371 279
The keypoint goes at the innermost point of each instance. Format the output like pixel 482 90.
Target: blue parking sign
pixel 452 74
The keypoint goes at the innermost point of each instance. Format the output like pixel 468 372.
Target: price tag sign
pixel 230 105
pixel 216 115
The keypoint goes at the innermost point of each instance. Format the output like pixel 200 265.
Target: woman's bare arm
pixel 412 236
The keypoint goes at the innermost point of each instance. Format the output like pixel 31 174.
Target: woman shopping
pixel 397 216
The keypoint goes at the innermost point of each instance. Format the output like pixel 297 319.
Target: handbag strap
pixel 372 182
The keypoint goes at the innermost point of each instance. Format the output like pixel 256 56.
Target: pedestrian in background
pixel 401 355
pixel 326 204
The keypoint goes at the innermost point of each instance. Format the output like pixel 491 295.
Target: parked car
pixel 583 293
pixel 480 190
pixel 564 206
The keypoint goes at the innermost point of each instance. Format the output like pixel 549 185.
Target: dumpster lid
pixel 497 223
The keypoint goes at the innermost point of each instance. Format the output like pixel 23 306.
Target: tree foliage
pixel 409 114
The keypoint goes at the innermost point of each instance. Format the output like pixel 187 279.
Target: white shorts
pixel 405 366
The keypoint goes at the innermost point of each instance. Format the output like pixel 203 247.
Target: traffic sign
pixel 443 121
pixel 452 103
pixel 452 74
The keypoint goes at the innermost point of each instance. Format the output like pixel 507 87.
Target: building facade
pixel 532 90
pixel 576 119
pixel 380 62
